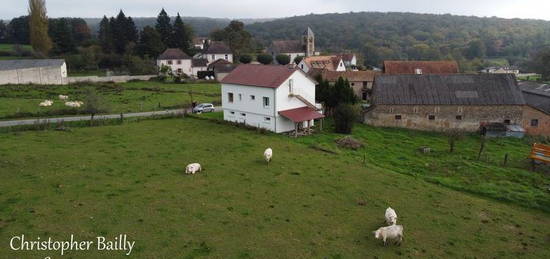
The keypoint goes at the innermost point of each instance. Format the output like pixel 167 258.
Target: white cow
pixel 391 216
pixel 63 97
pixel 268 154
pixel 75 104
pixel 193 168
pixel 46 103
pixel 393 232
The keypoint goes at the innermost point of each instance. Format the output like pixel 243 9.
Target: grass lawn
pixel 307 203
pixel 22 101
pixel 9 47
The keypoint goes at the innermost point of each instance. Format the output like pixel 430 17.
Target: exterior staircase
pixel 304 100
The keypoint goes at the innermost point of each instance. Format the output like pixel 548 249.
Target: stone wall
pixel 104 79
pixel 441 117
pixel 542 127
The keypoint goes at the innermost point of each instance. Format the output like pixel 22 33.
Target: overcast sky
pixel 537 9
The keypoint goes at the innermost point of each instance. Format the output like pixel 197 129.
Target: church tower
pixel 308 41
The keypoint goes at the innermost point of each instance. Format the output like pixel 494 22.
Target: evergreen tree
pixel 38 24
pixel 105 35
pixel 61 33
pixel 19 31
pixel 150 43
pixel 3 32
pixel 182 34
pixel 120 33
pixel 132 34
pixel 164 27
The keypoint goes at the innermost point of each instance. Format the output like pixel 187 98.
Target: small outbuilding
pixel 33 71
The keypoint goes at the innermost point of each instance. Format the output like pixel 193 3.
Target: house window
pixel 240 97
pixel 431 117
pixel 226 57
pixel 230 97
pixel 179 62
pixel 415 109
pixel 180 70
pixel 213 57
pixel 534 123
pixel 397 117
pixel 458 117
pixel 169 62
pixel 267 119
pixel 302 66
pixel 266 102
pixel 437 109
pixel 243 114
pixel 291 86
pixel 418 71
pixel 352 84
pixel 507 121
pixel 391 110
pixel 233 113
pixel 460 110
pixel 252 97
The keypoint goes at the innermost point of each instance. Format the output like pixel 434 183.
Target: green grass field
pixel 9 47
pixel 129 179
pixel 22 101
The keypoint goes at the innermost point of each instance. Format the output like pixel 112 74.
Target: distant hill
pixel 202 25
pixel 380 36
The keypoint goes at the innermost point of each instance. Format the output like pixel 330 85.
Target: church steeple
pixel 309 42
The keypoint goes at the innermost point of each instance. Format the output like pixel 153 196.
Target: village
pixel 213 151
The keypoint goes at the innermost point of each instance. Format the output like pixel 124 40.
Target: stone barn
pixel 536 114
pixel 444 102
pixel 33 71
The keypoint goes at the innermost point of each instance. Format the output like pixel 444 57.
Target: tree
pixel 38 24
pixel 475 49
pixel 265 59
pixel 298 59
pixel 345 116
pixel 120 34
pixel 183 34
pixel 540 63
pixel 238 39
pixel 283 59
pixel 94 103
pixel 150 43
pixel 19 31
pixel 105 35
pixel 164 27
pixel 3 32
pixel 245 59
pixel 61 34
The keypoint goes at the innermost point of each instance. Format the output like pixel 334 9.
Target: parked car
pixel 204 107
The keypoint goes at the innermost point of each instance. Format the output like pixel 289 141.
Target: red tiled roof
pixel 270 76
pixel 428 67
pixel 346 57
pixel 173 54
pixel 301 114
pixel 217 47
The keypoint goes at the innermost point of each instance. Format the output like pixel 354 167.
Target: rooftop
pixel 173 53
pixel 458 89
pixel 30 63
pixel 270 76
pixel 217 47
pixel 288 46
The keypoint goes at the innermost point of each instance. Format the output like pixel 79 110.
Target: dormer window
pixel 418 71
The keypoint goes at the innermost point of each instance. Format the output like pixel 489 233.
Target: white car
pixel 204 107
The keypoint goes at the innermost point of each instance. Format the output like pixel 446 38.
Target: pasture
pixel 21 101
pixel 128 179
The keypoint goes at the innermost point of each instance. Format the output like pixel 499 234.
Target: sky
pixel 534 9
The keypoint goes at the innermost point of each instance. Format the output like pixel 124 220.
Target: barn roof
pixel 536 95
pixel 217 47
pixel 30 63
pixel 270 76
pixel 173 53
pixel 288 46
pixel 458 89
pixel 428 67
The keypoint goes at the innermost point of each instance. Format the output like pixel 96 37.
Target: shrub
pixel 245 59
pixel 283 59
pixel 265 59
pixel 344 118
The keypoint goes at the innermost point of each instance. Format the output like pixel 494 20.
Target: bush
pixel 245 59
pixel 265 59
pixel 345 116
pixel 139 66
pixel 283 59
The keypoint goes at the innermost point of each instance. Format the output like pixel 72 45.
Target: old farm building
pixel 33 71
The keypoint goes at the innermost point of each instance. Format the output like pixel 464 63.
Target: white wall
pixel 301 86
pixel 38 75
pixel 185 65
pixel 213 57
pixel 255 111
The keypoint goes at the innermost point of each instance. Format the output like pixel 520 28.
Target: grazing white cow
pixel 393 232
pixel 193 168
pixel 46 103
pixel 268 154
pixel 63 97
pixel 391 216
pixel 75 104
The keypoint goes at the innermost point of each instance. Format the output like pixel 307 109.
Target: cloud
pixel 280 8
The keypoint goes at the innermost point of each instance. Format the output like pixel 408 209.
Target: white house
pixel 350 60
pixel 277 98
pixel 330 63
pixel 33 71
pixel 177 60
pixel 198 65
pixel 216 50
